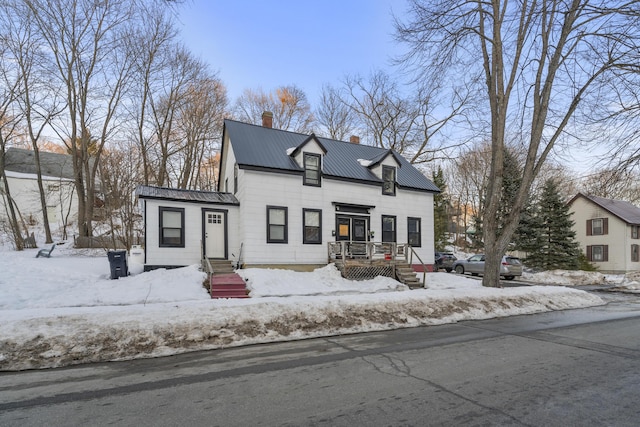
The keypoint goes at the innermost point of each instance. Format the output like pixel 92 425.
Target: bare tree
pixel 537 62
pixel 152 48
pixel 613 183
pixel 10 116
pixel 289 105
pixel 200 129
pixel 413 125
pixel 334 116
pixel 120 171
pixel 88 42
pixel 38 101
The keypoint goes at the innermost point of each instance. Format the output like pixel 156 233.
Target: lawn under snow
pixel 65 310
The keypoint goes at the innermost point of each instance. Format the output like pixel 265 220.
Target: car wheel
pixel 509 277
pixel 459 269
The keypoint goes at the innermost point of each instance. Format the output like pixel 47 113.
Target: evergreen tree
pixel 440 216
pixel 511 180
pixel 527 237
pixel 557 248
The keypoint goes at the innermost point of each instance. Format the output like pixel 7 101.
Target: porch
pixel 366 260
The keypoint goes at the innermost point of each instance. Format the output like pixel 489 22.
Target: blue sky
pixel 268 44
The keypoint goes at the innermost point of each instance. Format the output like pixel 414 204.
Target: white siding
pixel 261 189
pixel 618 239
pixel 60 196
pixel 193 222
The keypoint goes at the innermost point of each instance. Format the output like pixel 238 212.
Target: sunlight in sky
pixel 288 42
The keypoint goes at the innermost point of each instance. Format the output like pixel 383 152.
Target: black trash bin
pixel 118 263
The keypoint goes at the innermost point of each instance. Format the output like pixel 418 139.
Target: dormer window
pixel 312 169
pixel 389 180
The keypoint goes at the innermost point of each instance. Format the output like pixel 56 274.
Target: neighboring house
pixel 284 197
pixel 608 232
pixel 57 179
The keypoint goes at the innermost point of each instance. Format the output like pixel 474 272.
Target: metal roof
pixel 262 147
pixel 175 194
pixel 51 164
pixel 624 210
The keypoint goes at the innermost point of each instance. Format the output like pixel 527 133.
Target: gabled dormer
pixel 385 167
pixel 309 156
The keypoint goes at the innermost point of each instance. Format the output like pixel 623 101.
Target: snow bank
pixel 65 310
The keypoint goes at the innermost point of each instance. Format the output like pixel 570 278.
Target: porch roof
pixel 193 196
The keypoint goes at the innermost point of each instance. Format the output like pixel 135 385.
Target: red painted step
pixel 228 286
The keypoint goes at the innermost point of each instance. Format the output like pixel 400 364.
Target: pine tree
pixel 440 217
pixel 557 248
pixel 527 237
pixel 511 180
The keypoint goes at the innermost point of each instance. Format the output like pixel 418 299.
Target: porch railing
pixel 392 253
pixel 366 250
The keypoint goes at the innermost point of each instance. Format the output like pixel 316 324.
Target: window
pixel 389 180
pixel 312 169
pixel 634 231
pixel 312 232
pixel 226 185
pixel 597 226
pixel 635 253
pixel 235 179
pixel 171 227
pixel 414 236
pixel 388 228
pixel 598 253
pixel 276 224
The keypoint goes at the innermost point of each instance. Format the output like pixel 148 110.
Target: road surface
pixel 568 368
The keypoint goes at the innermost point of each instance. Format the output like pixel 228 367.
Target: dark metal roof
pixel 261 147
pixel 213 197
pixel 51 164
pixel 624 210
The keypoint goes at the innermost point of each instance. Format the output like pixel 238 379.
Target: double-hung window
pixel 635 253
pixel 598 253
pixel 634 231
pixel 597 226
pixel 388 228
pixel 414 234
pixel 389 180
pixel 312 232
pixel 277 224
pixel 171 227
pixel 312 169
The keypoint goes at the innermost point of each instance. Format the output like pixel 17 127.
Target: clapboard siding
pixel 262 189
pixel 618 237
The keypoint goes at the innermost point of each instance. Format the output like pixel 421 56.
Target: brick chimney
pixel 267 119
pixel 354 139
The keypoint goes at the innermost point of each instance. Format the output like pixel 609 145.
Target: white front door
pixel 214 233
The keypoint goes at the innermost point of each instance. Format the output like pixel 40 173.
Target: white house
pixel 58 182
pixel 608 232
pixel 283 197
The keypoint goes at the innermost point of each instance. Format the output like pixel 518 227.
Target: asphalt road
pixel 569 368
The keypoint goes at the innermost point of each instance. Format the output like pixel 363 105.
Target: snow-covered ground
pixel 65 309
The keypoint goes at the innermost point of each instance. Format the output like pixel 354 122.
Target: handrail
pixel 424 267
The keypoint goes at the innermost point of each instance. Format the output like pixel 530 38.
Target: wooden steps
pixel 407 275
pixel 228 285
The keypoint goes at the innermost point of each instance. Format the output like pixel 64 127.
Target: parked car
pixel 509 268
pixel 444 261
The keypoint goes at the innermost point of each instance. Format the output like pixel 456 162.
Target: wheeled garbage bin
pixel 118 263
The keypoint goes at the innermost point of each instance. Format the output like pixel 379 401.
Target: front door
pixel 214 234
pixel 352 228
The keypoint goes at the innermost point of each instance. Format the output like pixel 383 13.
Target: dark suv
pixel 444 261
